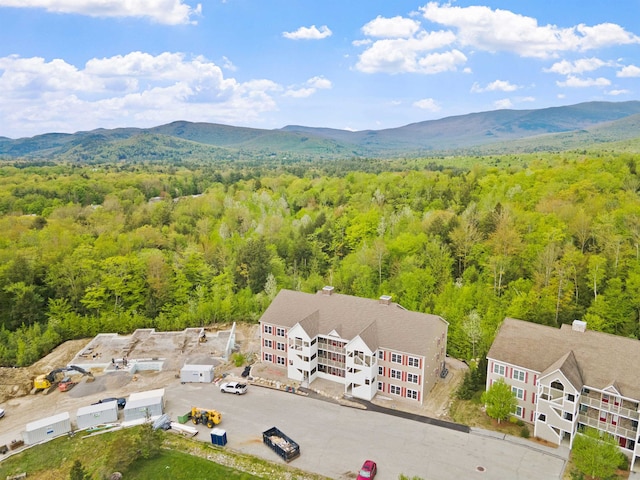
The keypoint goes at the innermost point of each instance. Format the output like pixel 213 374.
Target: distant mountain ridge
pixel 523 129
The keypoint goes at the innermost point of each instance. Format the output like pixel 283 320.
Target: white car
pixel 234 387
pixel 1 412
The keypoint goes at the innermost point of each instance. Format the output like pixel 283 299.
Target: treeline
pixel 111 248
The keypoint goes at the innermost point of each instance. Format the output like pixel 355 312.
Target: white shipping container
pixel 93 415
pixel 196 374
pixel 159 392
pixel 47 428
pixel 142 408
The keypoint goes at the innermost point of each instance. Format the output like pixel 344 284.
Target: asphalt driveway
pixel 335 440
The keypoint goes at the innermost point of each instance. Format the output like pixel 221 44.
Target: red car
pixel 368 470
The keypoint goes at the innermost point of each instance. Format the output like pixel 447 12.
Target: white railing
pixel 606 427
pixel 609 407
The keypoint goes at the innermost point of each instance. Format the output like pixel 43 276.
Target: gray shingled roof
pixel 601 359
pixel 388 326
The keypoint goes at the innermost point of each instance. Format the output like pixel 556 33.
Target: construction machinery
pixel 46 381
pixel 205 416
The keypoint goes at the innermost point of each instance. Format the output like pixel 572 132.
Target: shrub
pixel 238 359
pixel 524 432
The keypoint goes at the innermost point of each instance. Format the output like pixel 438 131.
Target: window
pixel 413 362
pixel 519 411
pixel 268 343
pixel 367 381
pixel 281 360
pixel 268 357
pixel 380 371
pixel 395 390
pixel 413 394
pixel 499 369
pixel 571 397
pixel 380 354
pixel 518 375
pixel 396 358
pixel 519 393
pixel 268 329
pixel 411 378
pixel 396 374
pixel 281 346
pixel 280 332
pixel 381 386
pixel 542 417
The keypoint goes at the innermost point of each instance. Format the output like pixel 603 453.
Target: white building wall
pixel 361 371
pixel 298 354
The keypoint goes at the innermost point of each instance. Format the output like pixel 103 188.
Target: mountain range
pixel 497 131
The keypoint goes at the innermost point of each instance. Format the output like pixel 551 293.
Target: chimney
pixel 579 326
pixel 385 300
pixel 327 290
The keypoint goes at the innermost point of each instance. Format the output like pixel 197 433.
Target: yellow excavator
pixel 48 380
pixel 205 416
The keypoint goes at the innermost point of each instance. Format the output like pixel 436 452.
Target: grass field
pixel 120 450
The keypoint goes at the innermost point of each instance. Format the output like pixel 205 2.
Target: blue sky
pixel 71 65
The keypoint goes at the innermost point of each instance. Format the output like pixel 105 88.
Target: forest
pixel 112 247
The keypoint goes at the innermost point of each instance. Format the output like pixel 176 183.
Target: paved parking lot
pixel 335 440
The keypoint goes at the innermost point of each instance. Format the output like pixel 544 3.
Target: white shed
pixel 93 415
pixel 196 373
pixel 144 404
pixel 47 428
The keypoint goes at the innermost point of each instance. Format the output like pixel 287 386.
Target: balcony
pixel 331 348
pixel 331 363
pixel 609 406
pixel 551 394
pixel 606 427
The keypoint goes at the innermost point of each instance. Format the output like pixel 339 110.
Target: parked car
pixel 121 401
pixel 1 412
pixel 368 470
pixel 234 387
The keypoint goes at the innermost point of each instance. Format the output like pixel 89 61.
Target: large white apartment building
pixel 569 378
pixel 367 345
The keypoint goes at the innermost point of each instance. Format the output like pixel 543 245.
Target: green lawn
pixel 172 465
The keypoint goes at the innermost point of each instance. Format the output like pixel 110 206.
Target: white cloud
pixel 414 54
pixel 137 89
pixel 577 82
pixel 502 30
pixel 228 64
pixel 427 104
pixel 309 33
pixel 527 99
pixel 504 103
pixel 299 92
pixel 582 65
pixel 495 86
pixel 170 12
pixel 312 85
pixel 629 71
pixel 396 27
pixel 319 82
pixel 617 92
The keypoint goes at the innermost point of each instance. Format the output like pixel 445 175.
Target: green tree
pixel 78 472
pixel 596 454
pixel 499 400
pixel 149 441
pixel 252 265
